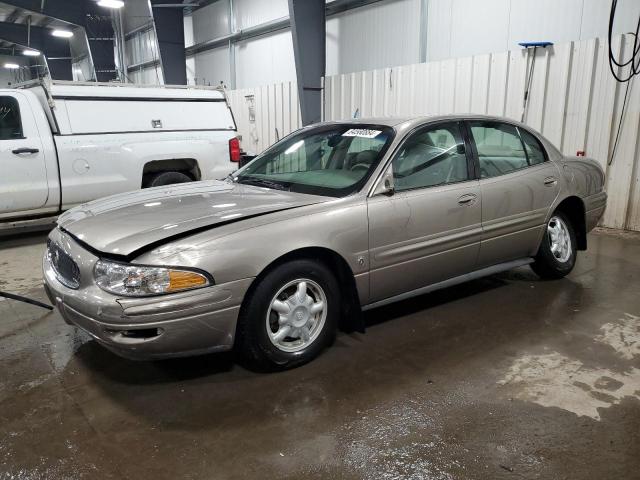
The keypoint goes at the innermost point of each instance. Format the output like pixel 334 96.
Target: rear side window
pixel 500 150
pixel 10 124
pixel 535 153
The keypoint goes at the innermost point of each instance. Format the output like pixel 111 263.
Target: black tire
pixel 160 179
pixel 253 341
pixel 547 265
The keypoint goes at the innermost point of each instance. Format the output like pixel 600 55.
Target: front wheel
pixel 290 316
pixel 556 256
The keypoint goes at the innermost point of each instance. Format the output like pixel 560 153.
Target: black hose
pixel 634 63
pixel 30 301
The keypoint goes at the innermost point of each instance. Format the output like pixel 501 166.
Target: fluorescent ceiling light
pixel 31 53
pixel 62 33
pixel 11 66
pixel 111 3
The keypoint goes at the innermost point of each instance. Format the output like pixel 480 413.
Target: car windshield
pixel 333 160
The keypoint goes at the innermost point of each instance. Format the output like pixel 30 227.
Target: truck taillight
pixel 234 150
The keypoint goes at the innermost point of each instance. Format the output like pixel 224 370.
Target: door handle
pixel 468 199
pixel 19 151
pixel 550 181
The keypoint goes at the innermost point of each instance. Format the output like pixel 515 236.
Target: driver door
pixel 429 229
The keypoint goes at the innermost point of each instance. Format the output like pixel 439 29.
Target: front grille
pixel 67 271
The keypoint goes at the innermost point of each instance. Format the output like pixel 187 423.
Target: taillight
pixel 234 150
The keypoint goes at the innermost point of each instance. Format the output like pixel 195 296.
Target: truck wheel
pixel 557 253
pixel 164 178
pixel 290 316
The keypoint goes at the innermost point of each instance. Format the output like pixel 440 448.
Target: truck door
pixel 23 173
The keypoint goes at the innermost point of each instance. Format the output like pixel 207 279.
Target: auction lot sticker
pixel 361 132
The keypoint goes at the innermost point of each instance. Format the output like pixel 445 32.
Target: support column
pixel 308 27
pixel 169 23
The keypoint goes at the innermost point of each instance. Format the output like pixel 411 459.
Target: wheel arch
pixel 573 207
pixel 351 312
pixel 188 166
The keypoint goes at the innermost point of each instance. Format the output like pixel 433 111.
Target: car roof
pixel 411 121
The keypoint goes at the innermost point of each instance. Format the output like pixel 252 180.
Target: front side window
pixel 10 124
pixel 500 150
pixel 332 160
pixel 435 156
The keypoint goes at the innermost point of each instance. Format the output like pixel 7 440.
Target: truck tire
pixel 160 179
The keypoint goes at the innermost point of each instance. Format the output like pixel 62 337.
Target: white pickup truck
pixel 63 143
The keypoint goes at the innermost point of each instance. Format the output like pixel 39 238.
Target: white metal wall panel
pixel 211 21
pixel 553 20
pixel 459 28
pixel 276 113
pixel 579 95
pixel 439 29
pixel 620 172
pixel 265 60
pixel 498 81
pixel 147 76
pixel 374 36
pixel 211 67
pixel 188 30
pixel 254 12
pixel 481 26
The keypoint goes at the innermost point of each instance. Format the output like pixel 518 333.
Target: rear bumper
pixel 174 325
pixel 595 206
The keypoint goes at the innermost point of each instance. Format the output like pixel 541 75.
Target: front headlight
pixel 141 281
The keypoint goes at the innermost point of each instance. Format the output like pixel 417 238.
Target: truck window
pixel 10 125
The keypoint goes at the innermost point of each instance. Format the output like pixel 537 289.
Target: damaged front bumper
pixel 163 326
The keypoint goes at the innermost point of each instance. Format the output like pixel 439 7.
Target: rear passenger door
pixel 518 185
pixel 429 229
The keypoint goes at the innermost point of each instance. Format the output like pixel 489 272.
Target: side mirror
pixel 386 185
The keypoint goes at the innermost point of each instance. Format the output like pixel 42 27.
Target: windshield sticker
pixel 362 132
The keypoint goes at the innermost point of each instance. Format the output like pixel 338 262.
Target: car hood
pixel 125 223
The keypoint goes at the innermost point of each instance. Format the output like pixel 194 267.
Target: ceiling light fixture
pixel 11 66
pixel 62 33
pixel 31 53
pixel 111 3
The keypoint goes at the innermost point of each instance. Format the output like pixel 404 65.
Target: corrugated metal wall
pixel 575 102
pixel 265 114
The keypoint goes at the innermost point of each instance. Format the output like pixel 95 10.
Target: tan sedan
pixel 334 219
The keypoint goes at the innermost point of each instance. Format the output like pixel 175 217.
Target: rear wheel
pixel 290 316
pixel 165 178
pixel 556 256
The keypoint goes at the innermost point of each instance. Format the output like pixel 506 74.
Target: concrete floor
pixel 505 377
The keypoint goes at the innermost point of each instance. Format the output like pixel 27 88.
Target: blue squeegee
pixel 531 47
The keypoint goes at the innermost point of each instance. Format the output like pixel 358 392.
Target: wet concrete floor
pixel 505 377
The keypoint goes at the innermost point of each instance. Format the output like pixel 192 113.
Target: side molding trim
pixel 483 272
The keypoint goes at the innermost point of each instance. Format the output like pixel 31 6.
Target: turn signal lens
pixel 181 280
